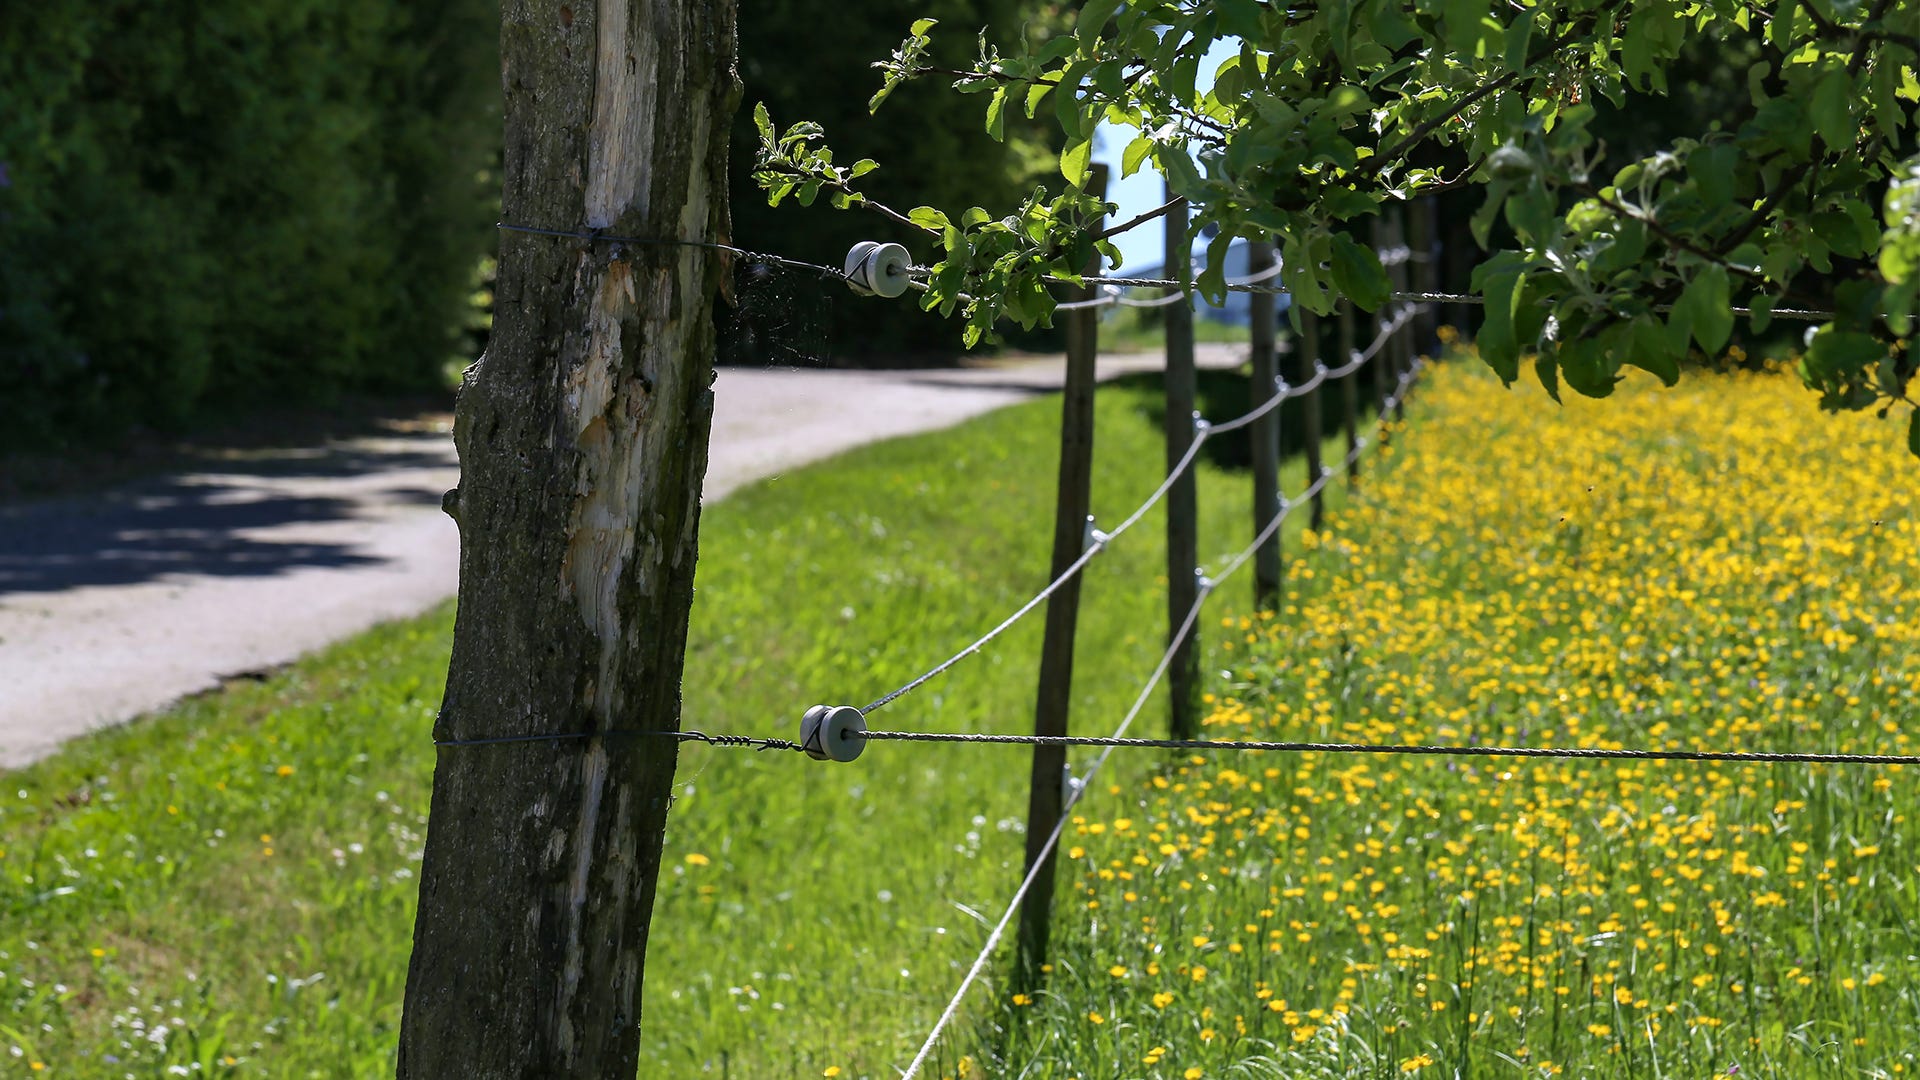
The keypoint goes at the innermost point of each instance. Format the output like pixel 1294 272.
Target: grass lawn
pixel 230 885
pixel 1718 566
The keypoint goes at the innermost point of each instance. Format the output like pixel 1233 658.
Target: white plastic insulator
pixel 878 269
pixel 833 732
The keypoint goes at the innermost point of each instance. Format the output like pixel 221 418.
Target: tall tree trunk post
pixel 583 442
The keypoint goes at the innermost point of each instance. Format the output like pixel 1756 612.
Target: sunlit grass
pixel 231 885
pixel 1718 566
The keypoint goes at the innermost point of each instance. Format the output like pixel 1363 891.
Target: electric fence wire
pixel 1254 284
pixel 1084 782
pixel 1100 540
pixel 596 236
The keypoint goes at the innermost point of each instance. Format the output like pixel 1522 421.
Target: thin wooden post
pixel 1305 363
pixel 1349 395
pixel 1183 507
pixel 1402 345
pixel 1383 357
pixel 1048 784
pixel 1265 433
pixel 1425 268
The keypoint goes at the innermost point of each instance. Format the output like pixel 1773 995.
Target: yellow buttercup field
pixel 1718 566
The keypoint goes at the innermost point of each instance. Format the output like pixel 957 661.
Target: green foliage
pixel 1793 190
pixel 210 203
pixel 800 62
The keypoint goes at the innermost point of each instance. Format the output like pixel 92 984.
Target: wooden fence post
pixel 1183 508
pixel 1397 274
pixel 1349 395
pixel 1383 358
pixel 1265 434
pixel 1425 271
pixel 1054 697
pixel 1305 362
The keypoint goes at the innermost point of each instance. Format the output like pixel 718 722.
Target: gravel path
pixel 120 603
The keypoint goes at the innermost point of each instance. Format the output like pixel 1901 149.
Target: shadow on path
pixel 244 515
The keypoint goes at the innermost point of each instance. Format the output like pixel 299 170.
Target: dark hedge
pixel 211 203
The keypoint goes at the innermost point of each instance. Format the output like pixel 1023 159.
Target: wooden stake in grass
pixel 1349 396
pixel 1304 361
pixel 1047 790
pixel 1265 433
pixel 583 442
pixel 1183 508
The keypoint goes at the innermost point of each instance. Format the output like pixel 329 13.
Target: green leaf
pixel 997 114
pixel 1034 93
pixel 1135 153
pixel 1648 349
pixel 1546 368
pixel 1075 159
pixel 1708 308
pixel 928 218
pixel 763 123
pixel 1463 23
pixel 1496 341
pixel 921 26
pixel 1357 273
pixel 1093 19
pixel 1761 313
pixel 1832 109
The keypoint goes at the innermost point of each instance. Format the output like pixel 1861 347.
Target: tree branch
pixel 1136 222
pixel 1419 134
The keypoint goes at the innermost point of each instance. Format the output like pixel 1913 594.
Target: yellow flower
pixel 1096 1018
pixel 1194 1073
pixel 1118 971
pixel 831 1070
pixel 284 770
pixel 1023 999
pixel 694 858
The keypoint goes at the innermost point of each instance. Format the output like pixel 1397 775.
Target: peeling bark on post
pixel 583 442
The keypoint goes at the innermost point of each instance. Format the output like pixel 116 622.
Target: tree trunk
pixel 583 442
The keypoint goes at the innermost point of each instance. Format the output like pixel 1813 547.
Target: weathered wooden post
pixel 1265 434
pixel 1382 362
pixel 1305 362
pixel 1349 395
pixel 1425 270
pixel 1403 339
pixel 583 443
pixel 1183 507
pixel 1047 791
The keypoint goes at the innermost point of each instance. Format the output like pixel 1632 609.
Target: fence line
pixel 1098 540
pixel 1085 781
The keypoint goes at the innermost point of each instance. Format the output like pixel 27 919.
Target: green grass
pixel 231 884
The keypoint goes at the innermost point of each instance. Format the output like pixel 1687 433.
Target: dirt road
pixel 121 602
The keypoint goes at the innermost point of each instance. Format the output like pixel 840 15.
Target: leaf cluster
pixel 1324 114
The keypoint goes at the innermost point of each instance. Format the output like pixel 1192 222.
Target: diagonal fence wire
pixel 1100 540
pixel 1084 782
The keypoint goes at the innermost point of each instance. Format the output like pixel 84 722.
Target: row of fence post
pixel 1272 370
